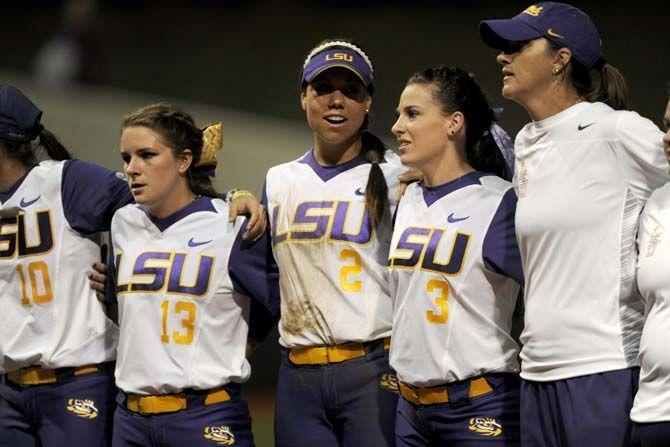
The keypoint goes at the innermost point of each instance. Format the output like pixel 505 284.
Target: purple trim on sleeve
pixel 110 278
pixel 326 173
pixel 254 273
pixel 432 194
pixel 199 204
pixel 500 250
pixel 264 195
pixel 6 195
pixel 91 194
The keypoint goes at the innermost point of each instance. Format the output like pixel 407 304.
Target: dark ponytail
pixel 179 132
pixel 24 153
pixel 376 189
pixel 605 83
pixel 54 149
pixel 455 90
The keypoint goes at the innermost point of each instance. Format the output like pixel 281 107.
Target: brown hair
pixel 372 149
pixel 603 83
pixel 178 130
pixel 456 90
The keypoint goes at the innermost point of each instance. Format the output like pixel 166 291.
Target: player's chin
pixel 407 158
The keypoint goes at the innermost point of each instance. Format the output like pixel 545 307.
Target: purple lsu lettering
pixel 419 246
pixel 13 231
pixel 313 220
pixel 161 266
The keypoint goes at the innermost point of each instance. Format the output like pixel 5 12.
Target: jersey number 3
pixel 442 289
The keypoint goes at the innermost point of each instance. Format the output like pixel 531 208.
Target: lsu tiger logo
pixel 83 408
pixel 389 381
pixel 486 426
pixel 222 435
pixel 533 10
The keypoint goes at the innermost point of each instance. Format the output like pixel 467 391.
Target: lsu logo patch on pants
pixel 390 382
pixel 222 435
pixel 486 426
pixel 82 408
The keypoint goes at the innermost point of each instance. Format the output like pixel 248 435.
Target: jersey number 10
pixel 38 273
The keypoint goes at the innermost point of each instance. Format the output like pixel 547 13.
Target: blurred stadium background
pixel 86 63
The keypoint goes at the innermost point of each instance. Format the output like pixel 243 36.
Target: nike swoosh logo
pixel 553 34
pixel 453 219
pixel 192 243
pixel 580 127
pixel 358 192
pixel 26 204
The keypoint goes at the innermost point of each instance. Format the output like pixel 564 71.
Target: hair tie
pixel 212 142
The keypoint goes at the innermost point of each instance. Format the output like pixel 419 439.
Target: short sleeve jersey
pixel 332 263
pixel 582 177
pixel 182 286
pixel 455 271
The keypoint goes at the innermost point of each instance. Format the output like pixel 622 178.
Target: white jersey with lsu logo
pixel 178 282
pixel 332 265
pixel 455 271
pixel 50 316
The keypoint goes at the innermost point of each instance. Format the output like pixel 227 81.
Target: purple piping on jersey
pixel 254 273
pixel 91 195
pixel 432 194
pixel 500 250
pixel 6 195
pixel 199 204
pixel 326 173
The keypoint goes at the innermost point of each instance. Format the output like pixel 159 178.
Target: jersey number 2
pixel 355 269
pixel 188 323
pixel 38 272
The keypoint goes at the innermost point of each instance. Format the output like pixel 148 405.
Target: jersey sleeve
pixel 640 149
pixel 110 278
pixel 500 250
pixel 254 273
pixel 91 194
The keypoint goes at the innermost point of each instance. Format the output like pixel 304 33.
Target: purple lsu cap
pixel 337 56
pixel 19 117
pixel 561 23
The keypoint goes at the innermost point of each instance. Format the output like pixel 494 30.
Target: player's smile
pixel 336 103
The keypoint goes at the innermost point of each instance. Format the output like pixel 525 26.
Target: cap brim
pixel 334 65
pixel 497 33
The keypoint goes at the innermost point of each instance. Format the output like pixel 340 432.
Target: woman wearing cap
pixel 455 269
pixel 184 292
pixel 584 170
pixel 56 343
pixel 650 410
pixel 330 213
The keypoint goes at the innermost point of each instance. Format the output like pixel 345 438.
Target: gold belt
pixel 36 375
pixel 440 394
pixel 323 355
pixel 169 403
